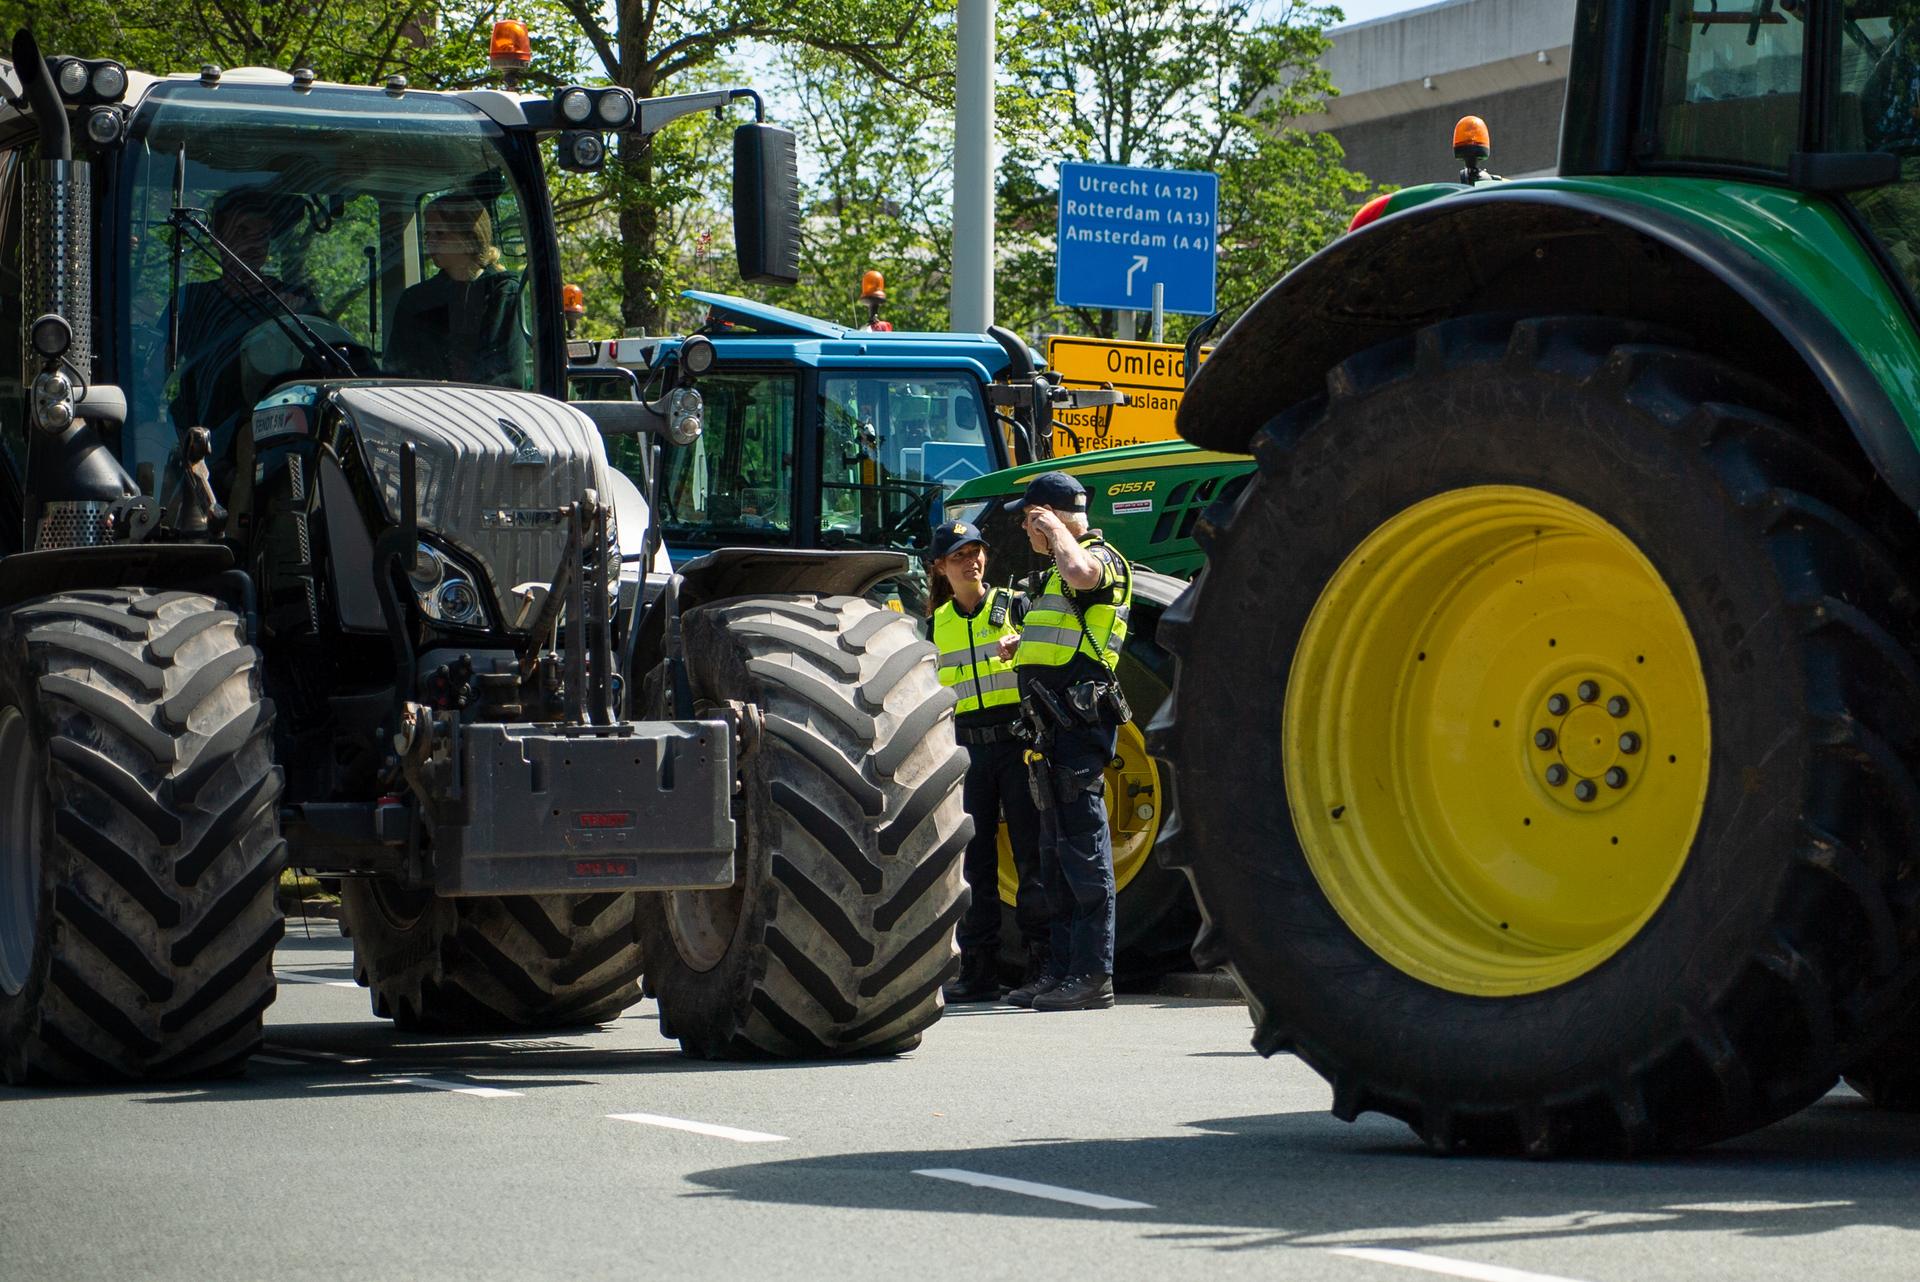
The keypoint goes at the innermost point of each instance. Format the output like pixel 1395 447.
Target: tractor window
pixel 1879 110
pixel 893 447
pixel 1727 77
pixel 735 483
pixel 329 198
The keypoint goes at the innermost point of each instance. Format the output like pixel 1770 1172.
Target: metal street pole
pixel 1159 312
pixel 972 306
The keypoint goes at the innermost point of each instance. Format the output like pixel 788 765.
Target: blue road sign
pixel 1124 229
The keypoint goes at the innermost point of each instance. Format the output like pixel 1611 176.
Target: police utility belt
pixel 974 736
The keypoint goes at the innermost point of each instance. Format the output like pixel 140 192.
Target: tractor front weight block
pixel 550 810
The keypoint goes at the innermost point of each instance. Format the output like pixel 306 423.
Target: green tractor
pixel 1547 713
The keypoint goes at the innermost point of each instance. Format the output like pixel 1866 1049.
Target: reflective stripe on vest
pixel 970 656
pixel 1052 634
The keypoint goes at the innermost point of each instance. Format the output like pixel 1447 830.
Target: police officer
pixel 1065 656
pixel 969 620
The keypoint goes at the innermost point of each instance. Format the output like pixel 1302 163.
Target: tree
pixel 434 43
pixel 656 47
pixel 1182 84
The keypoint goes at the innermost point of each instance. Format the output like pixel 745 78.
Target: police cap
pixel 1055 490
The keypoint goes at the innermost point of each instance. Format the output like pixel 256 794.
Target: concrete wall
pixel 1405 79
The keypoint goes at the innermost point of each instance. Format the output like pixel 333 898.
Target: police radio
pixel 997 616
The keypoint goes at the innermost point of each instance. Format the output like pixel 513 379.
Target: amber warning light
pixel 1470 138
pixel 510 49
pixel 573 300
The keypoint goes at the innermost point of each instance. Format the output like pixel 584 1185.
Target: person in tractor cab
pixel 215 316
pixel 1072 707
pixel 969 620
pixel 463 323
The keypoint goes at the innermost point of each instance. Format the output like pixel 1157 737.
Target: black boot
pixel 976 982
pixel 1078 992
pixel 1041 975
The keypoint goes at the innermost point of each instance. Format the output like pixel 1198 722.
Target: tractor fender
pixel 201 567
pixel 1573 247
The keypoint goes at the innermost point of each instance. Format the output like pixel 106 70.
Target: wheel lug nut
pixel 1617 705
pixel 1629 742
pixel 1616 778
pixel 1557 705
pixel 1543 739
pixel 1588 691
pixel 1556 774
pixel 1585 790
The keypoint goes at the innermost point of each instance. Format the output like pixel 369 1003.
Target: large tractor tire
pixel 1541 724
pixel 1155 918
pixel 490 963
pixel 139 840
pixel 838 932
pixel 1889 1076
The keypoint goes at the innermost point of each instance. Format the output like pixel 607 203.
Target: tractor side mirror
pixel 766 204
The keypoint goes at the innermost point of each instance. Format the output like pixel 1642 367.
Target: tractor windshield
pixel 893 447
pixel 1879 110
pixel 1727 83
pixel 734 484
pixel 392 227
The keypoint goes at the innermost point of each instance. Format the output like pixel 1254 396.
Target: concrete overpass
pixel 1405 79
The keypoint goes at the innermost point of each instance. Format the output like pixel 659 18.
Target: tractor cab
pixel 818 435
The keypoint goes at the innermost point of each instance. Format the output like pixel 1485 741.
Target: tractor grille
pixel 73 525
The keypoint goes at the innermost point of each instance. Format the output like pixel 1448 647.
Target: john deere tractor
pixel 305 560
pixel 1548 709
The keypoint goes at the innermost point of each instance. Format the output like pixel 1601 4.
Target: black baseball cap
pixel 1052 489
pixel 955 534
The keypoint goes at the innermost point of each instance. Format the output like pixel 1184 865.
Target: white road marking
pixel 275 1059
pixel 458 1088
pixel 1441 1264
pixel 290 977
pixel 1753 1208
pixel 1053 1193
pixel 698 1128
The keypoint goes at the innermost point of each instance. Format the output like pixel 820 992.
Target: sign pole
pixel 971 309
pixel 1126 325
pixel 1159 312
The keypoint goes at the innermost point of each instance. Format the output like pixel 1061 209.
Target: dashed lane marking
pixel 457 1088
pixel 698 1128
pixel 320 1057
pixel 1441 1264
pixel 275 1059
pixel 1051 1192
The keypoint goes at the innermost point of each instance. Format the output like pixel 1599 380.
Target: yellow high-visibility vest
pixel 970 655
pixel 1052 634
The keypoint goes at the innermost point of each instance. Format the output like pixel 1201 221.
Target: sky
pixel 1362 10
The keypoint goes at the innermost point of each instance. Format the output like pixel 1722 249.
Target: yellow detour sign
pixel 1153 375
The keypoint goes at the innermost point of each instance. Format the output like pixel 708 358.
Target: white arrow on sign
pixel 1139 264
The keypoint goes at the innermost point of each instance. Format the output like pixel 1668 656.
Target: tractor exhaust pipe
pixel 73 480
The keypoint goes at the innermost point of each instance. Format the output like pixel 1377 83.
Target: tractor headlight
pixel 615 108
pixel 575 105
pixel 444 588
pixel 72 78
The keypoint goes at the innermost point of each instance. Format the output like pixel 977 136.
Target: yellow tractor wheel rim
pixel 1496 740
pixel 1133 813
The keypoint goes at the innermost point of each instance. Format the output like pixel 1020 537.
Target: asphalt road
pixel 1150 1141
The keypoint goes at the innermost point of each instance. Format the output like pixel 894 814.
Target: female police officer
pixel 969 619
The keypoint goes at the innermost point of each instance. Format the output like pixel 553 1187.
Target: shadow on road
pixel 1304 1179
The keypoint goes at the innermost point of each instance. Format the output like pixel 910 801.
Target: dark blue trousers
pixel 1076 851
pixel 996 785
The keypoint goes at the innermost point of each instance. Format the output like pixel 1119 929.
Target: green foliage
pixel 1179 84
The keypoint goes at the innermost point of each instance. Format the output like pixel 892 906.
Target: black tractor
pixel 307 561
